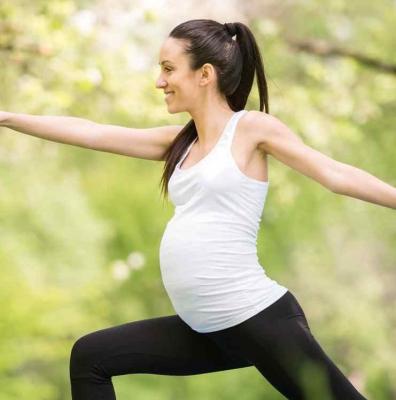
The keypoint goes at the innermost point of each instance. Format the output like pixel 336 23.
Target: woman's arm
pixel 68 130
pixel 355 182
pixel 275 138
pixel 146 143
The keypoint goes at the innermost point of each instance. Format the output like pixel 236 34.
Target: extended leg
pixel 164 345
pixel 279 343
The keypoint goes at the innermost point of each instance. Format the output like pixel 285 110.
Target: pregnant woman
pixel 229 313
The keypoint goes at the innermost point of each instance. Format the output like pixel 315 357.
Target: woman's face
pixel 177 77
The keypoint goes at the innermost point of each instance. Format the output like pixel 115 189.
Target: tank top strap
pixel 187 151
pixel 229 134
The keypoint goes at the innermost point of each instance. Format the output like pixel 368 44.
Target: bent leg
pixel 279 343
pixel 164 345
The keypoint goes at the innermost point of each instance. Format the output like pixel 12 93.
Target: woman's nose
pixel 160 83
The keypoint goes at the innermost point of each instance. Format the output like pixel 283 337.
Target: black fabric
pixel 277 342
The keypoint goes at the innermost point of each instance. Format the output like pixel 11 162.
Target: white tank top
pixel 208 252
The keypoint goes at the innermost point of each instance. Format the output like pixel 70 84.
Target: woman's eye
pixel 168 69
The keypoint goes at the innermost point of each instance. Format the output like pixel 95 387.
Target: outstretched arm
pixel 146 143
pixel 355 182
pixel 275 138
pixel 62 129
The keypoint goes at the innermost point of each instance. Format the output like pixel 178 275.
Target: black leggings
pixel 277 341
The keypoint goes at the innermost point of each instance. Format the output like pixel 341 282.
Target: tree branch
pixel 324 49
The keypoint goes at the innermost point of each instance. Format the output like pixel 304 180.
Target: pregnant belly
pixel 205 261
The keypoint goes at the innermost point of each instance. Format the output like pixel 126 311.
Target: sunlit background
pixel 80 230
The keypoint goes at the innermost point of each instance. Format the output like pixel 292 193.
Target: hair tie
pixel 231 28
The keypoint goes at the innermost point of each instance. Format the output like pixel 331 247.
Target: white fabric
pixel 208 253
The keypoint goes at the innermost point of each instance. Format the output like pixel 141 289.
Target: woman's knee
pixel 85 356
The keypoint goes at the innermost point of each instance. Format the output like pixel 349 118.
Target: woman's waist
pixel 214 278
pixel 215 228
pixel 203 214
pixel 208 246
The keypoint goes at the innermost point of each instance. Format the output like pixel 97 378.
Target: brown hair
pixel 235 62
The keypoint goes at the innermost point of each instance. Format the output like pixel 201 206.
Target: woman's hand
pixel 3 117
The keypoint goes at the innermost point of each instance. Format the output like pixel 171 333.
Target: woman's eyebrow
pixel 163 62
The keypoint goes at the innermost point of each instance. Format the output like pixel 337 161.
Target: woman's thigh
pixel 164 345
pixel 280 344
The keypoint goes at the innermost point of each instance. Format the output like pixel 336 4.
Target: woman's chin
pixel 171 109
